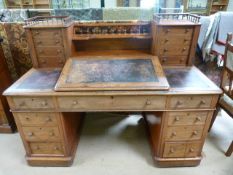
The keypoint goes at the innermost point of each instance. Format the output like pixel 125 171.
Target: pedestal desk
pixel 112 66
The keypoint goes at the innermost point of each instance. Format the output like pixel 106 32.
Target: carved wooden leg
pixel 230 150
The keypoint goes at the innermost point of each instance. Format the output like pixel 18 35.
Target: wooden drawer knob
pixel 57 41
pixel 168 30
pixel 178 103
pixel 37 32
pixel 22 104
pixel 59 51
pixel 165 50
pixel 185 40
pixel 148 102
pixel 198 119
pixel 48 119
pixel 164 60
pixel 191 150
pixel 27 118
pixel 37 148
pixel 44 103
pixel 39 42
pixel 51 134
pixel 30 134
pixel 173 134
pixel 56 148
pixel 60 61
pixel 195 133
pixel 43 61
pixel 184 49
pixel 186 30
pixel 177 119
pixel 171 150
pixel 202 102
pixel 75 102
pixel 166 40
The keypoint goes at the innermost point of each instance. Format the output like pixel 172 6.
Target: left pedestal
pixel 49 138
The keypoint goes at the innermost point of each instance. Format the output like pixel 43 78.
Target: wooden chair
pixel 226 100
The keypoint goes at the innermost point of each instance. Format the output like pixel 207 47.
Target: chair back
pixel 227 76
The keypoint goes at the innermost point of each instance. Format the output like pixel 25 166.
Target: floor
pixel 115 144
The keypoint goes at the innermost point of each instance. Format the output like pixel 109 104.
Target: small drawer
pixel 177 40
pixel 186 118
pixel 173 60
pixel 112 103
pixel 46 33
pixel 33 119
pixel 174 50
pixel 179 133
pixel 190 102
pixel 174 150
pixel 33 103
pixel 177 31
pixel 58 61
pixel 193 149
pixel 41 133
pixel 50 51
pixel 42 42
pixel 46 148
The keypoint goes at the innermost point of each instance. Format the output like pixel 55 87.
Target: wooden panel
pixel 46 148
pixel 41 133
pixel 173 60
pixel 187 118
pixel 193 149
pixel 89 103
pixel 179 133
pixel 190 102
pixel 174 149
pixel 33 103
pixel 32 119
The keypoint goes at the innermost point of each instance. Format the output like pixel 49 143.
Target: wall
pixel 230 5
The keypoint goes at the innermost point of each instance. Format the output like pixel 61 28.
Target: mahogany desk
pixel 49 121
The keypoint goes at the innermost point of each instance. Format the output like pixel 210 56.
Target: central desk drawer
pixel 109 103
pixel 179 133
pixel 47 148
pixel 41 133
pixel 190 102
pixel 33 103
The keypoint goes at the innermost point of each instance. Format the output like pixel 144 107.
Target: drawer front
pixel 176 40
pixel 193 149
pixel 113 103
pixel 1 106
pixel 37 119
pixel 174 149
pixel 190 102
pixel 58 61
pixel 43 42
pixel 168 32
pixel 173 60
pixel 174 50
pixel 33 103
pixel 2 117
pixel 179 133
pixel 46 148
pixel 46 33
pixel 41 133
pixel 186 118
pixel 50 51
